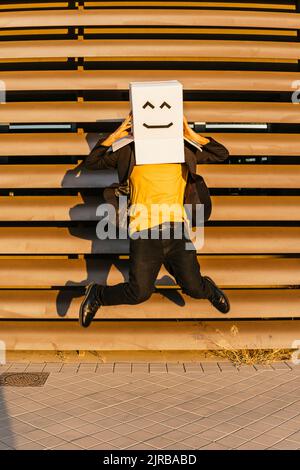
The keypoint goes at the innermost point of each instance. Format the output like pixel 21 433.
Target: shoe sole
pixel 225 296
pixel 87 291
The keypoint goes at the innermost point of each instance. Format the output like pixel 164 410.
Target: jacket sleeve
pixel 213 151
pixel 101 157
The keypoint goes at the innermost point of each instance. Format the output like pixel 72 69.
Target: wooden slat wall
pixel 78 208
pixel 239 64
pixel 135 336
pixel 155 17
pixel 229 271
pixel 113 49
pixel 112 80
pixel 241 112
pixel 55 144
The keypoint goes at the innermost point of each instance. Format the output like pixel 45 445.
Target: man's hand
pixel 192 135
pixel 122 131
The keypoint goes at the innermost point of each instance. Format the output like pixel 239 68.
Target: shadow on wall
pixel 97 269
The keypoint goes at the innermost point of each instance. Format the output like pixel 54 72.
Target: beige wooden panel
pixel 255 208
pixel 22 5
pixel 192 4
pixel 227 271
pixel 250 176
pixel 112 80
pixel 18 33
pixel 54 176
pixel 208 111
pixel 41 304
pixel 189 31
pixel 149 336
pixel 222 176
pixel 157 48
pixel 157 17
pixel 61 208
pixel 122 3
pixel 62 240
pixel 31 144
pixel 133 32
pixel 259 143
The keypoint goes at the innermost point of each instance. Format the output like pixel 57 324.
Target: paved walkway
pixel 153 406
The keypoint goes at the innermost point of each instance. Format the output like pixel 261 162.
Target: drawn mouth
pixel 162 126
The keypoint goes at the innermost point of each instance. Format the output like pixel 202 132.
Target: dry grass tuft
pixel 252 356
pixel 244 355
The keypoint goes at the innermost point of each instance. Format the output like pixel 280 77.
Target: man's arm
pixel 212 151
pixel 101 157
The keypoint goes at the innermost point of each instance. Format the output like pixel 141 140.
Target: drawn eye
pixel 148 104
pixel 165 104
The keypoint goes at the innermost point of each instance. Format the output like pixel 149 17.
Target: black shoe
pixel 89 305
pixel 219 300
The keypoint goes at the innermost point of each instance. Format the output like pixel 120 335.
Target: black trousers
pixel 146 258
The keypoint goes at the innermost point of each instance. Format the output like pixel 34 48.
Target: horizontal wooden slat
pixel 237 271
pixel 255 208
pixel 54 176
pixel 216 176
pixel 156 17
pixel 194 4
pixel 63 208
pixel 15 4
pixel 157 48
pixel 149 336
pixel 31 144
pixel 251 176
pixel 35 304
pixel 26 144
pixel 185 32
pixel 260 144
pixel 62 240
pixel 113 80
pixel 288 6
pixel 208 111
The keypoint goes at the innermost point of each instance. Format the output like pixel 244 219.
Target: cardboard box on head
pixel 157 112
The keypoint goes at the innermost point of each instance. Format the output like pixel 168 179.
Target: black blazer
pixel 196 192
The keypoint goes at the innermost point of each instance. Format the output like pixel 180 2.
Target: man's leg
pixel 146 258
pixel 183 265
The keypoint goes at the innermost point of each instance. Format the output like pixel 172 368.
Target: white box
pixel 157 112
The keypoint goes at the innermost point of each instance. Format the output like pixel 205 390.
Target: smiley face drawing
pixel 157 114
pixel 157 126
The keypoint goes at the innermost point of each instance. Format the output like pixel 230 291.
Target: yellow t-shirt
pixel 157 194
